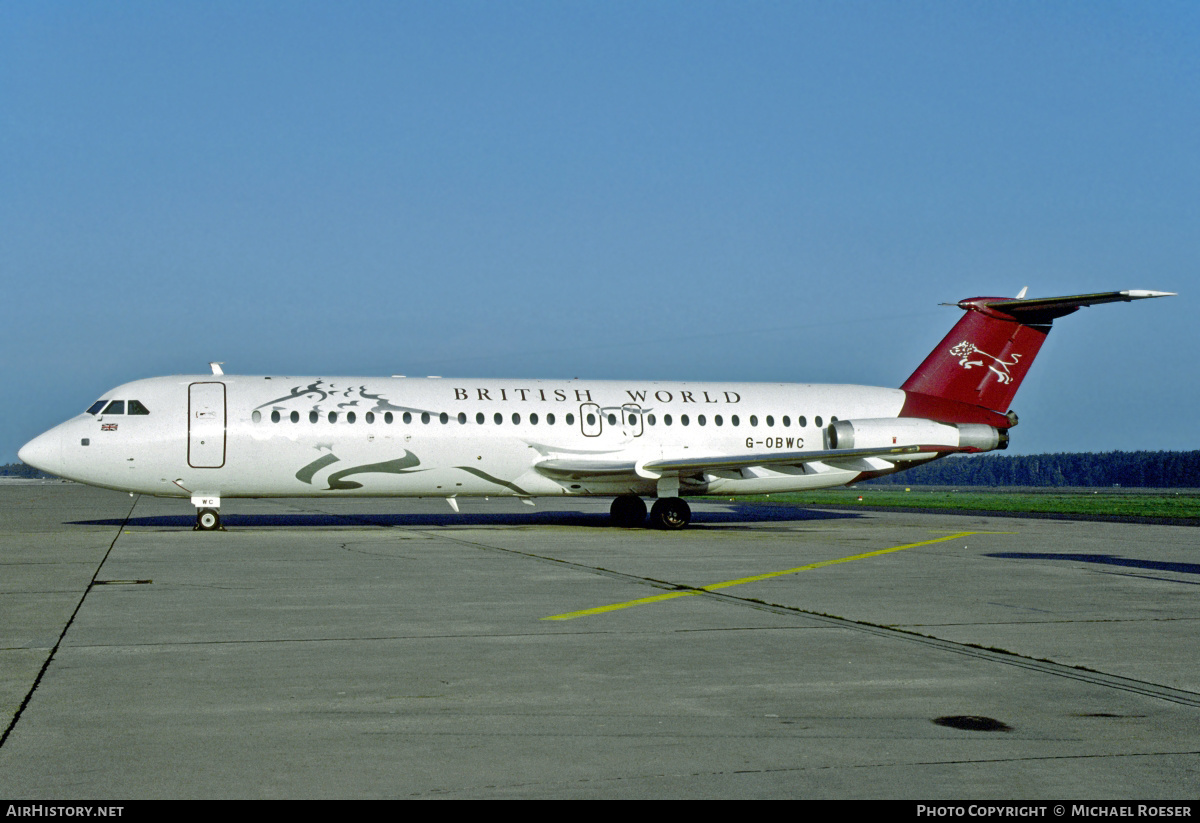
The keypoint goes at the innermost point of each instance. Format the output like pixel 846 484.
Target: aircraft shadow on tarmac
pixel 1106 560
pixel 732 515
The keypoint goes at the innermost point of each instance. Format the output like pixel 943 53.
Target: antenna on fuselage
pixel 215 365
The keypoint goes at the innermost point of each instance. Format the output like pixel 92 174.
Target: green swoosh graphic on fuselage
pixel 495 480
pixel 400 465
pixel 305 475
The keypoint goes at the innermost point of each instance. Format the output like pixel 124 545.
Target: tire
pixel 208 520
pixel 670 513
pixel 628 511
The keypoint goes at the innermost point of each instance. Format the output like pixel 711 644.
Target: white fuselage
pixel 217 436
pixel 244 436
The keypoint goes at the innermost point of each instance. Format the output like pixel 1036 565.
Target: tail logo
pixel 964 350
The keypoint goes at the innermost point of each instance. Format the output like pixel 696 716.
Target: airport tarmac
pixel 389 648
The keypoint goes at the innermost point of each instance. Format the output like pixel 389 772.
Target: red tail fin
pixel 984 358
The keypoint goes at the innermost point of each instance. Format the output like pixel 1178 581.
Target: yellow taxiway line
pixel 641 601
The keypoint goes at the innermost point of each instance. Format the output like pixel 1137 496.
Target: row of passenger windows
pixel 590 419
pixel 118 407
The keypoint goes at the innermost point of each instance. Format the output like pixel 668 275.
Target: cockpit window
pixel 96 407
pixel 115 407
pixel 135 407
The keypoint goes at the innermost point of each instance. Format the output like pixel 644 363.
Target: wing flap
pixel 742 461
pixel 576 468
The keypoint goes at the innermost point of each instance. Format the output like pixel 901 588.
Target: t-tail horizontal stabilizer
pixel 984 358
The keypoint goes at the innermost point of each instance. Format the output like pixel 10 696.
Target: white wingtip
pixel 1141 294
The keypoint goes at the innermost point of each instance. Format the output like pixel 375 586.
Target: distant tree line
pixel 1143 468
pixel 21 470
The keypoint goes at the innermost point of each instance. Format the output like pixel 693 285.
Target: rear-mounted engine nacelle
pixel 914 431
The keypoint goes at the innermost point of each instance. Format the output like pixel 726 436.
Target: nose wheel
pixel 208 520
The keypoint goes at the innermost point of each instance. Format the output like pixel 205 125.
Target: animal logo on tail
pixel 965 349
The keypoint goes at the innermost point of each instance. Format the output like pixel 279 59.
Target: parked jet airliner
pixel 217 436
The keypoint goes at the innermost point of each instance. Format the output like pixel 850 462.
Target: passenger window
pixel 443 418
pixel 462 418
pixel 333 417
pixel 350 417
pixel 115 407
pixel 275 416
pixel 479 418
pixel 369 417
pixel 754 420
pixel 135 407
pixel 533 418
pixel 550 419
pixel 770 420
pixel 313 417
pixel 294 417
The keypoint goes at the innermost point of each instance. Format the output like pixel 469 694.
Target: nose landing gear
pixel 207 520
pixel 208 516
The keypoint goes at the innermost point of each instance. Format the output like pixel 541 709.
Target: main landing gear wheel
pixel 208 520
pixel 670 513
pixel 628 511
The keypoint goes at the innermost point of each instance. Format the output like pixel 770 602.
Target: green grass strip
pixel 1184 504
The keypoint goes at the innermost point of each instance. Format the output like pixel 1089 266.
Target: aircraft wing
pixel 577 468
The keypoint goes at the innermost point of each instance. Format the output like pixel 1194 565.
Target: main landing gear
pixel 670 513
pixel 629 511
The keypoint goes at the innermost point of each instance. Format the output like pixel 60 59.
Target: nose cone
pixel 43 452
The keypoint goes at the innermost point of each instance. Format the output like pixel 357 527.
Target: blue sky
pixel 659 190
